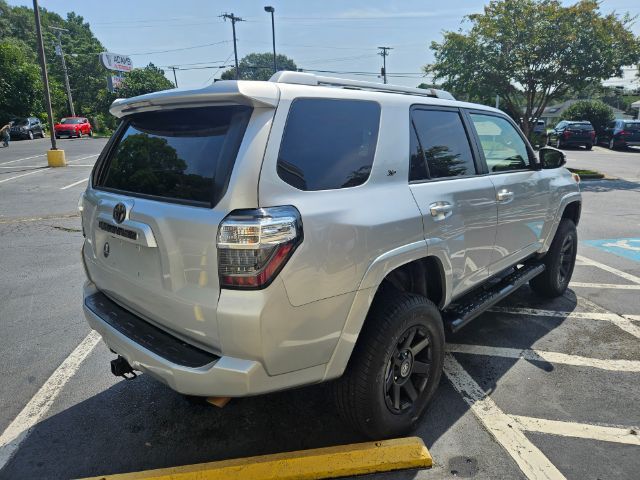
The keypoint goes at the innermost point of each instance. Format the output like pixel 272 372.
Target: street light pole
pixel 175 78
pixel 271 10
pixel 45 75
pixel 64 68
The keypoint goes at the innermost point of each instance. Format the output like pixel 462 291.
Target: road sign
pixel 116 62
pixel 114 82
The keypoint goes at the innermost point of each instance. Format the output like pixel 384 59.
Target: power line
pixel 234 19
pixel 181 49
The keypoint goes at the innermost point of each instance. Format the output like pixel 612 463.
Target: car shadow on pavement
pixel 601 186
pixel 142 424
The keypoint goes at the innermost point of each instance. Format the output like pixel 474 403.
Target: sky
pixel 332 35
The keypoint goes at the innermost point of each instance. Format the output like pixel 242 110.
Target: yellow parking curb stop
pixel 318 463
pixel 55 158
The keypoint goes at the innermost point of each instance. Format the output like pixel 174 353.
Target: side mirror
pixel 551 157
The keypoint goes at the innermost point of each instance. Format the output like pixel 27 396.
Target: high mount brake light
pixel 254 245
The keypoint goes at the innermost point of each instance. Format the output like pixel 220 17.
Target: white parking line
pixel 607 268
pixel 21 159
pixel 623 322
pixel 74 184
pixel 532 462
pixel 44 168
pixel 614 286
pixel 24 174
pixel 543 356
pixel 41 402
pixel 579 430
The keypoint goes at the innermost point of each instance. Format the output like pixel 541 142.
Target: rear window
pixel 71 121
pixel 580 126
pixel 632 126
pixel 178 155
pixel 328 144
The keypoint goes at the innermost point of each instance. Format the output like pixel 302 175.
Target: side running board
pixel 468 307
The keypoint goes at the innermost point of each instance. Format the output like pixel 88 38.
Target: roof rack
pixel 303 78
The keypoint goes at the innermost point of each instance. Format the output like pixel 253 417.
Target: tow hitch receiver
pixel 121 368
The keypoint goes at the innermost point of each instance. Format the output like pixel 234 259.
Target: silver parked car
pixel 250 237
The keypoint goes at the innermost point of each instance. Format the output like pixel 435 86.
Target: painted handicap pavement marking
pixel 623 247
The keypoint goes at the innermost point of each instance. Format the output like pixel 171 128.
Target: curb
pixel 319 463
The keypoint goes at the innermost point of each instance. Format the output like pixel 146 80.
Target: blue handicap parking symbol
pixel 623 247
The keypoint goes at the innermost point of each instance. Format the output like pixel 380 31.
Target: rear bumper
pixel 223 376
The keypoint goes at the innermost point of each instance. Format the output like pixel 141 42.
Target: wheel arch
pixel 408 269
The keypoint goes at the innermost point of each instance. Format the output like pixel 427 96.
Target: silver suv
pixel 249 237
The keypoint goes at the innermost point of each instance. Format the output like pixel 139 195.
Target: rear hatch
pixel 152 212
pixel 580 130
pixel 632 132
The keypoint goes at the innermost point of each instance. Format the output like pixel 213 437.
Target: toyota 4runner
pixel 250 237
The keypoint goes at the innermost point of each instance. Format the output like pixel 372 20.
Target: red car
pixel 73 127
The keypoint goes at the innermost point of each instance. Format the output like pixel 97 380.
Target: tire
pixel 559 262
pixel 612 145
pixel 396 320
pixel 588 146
pixel 79 133
pixel 30 135
pixel 91 133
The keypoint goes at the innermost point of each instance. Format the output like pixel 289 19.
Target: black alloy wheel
pixel 407 371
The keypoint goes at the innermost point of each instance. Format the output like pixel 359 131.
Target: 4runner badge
pixel 119 212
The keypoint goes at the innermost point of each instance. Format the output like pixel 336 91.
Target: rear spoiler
pixel 255 94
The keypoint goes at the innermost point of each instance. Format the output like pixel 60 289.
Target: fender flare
pixel 564 201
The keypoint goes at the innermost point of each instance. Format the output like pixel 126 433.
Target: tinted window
pixel 580 126
pixel 632 126
pixel 418 164
pixel 328 143
pixel 443 144
pixel 503 147
pixel 180 154
pixel 70 121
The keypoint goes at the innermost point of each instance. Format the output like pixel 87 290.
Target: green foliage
pixel 259 66
pixel 531 52
pixel 595 111
pixel 20 77
pixel 144 80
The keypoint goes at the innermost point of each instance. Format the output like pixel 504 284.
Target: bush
pixel 595 111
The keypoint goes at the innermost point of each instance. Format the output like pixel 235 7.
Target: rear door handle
pixel 440 209
pixel 504 195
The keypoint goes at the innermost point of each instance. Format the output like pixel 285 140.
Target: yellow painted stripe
pixel 330 462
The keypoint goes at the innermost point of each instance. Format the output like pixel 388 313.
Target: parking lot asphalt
pixel 532 389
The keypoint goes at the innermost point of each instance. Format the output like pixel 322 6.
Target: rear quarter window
pixel 182 155
pixel 328 143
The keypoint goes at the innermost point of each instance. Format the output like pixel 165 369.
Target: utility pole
pixel 271 10
pixel 175 78
pixel 234 19
pixel 384 51
pixel 55 157
pixel 64 67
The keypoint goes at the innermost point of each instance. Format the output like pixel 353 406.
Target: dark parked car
pixel 621 134
pixel 572 133
pixel 26 128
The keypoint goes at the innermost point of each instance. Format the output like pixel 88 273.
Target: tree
pixel 531 52
pixel 20 78
pixel 144 80
pixel 597 112
pixel 259 66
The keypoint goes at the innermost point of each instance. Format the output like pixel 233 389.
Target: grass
pixel 587 174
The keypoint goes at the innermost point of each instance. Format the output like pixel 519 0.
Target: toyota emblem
pixel 119 213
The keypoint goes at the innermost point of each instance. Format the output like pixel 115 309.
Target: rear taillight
pixel 566 134
pixel 623 132
pixel 593 134
pixel 254 245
